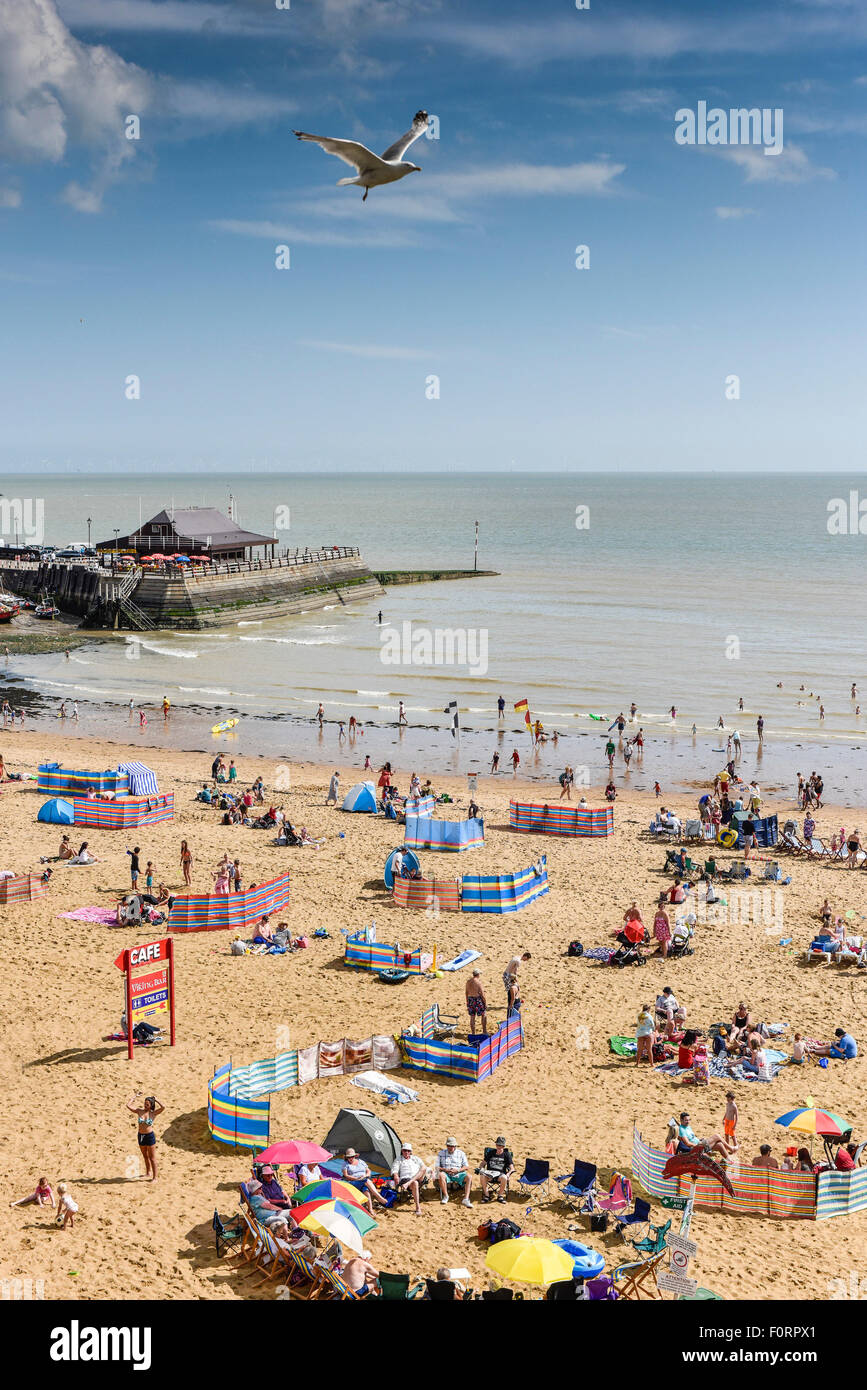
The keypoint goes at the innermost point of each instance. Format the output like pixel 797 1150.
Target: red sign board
pixel 150 985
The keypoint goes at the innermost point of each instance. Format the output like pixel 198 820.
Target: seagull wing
pixel 400 147
pixel 359 157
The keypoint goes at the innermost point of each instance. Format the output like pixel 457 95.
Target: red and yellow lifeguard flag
pixel 525 706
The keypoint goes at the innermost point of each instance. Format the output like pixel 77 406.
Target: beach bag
pixel 599 1221
pixel 575 949
pixel 659 1052
pixel 502 1230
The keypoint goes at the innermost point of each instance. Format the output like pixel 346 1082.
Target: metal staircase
pixel 135 616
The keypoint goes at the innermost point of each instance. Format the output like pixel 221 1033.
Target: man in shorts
pixel 477 1007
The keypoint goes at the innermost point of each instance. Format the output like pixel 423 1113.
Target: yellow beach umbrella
pixel 529 1261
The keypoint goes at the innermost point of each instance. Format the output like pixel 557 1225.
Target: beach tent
pixel 142 782
pixel 362 797
pixel 376 1141
pixel 57 812
pixel 410 860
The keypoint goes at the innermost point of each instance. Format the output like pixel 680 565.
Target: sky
pixel 442 324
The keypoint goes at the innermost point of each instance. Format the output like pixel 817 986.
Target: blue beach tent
pixel 57 812
pixel 362 797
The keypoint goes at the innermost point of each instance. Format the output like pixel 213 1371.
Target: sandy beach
pixel 565 1095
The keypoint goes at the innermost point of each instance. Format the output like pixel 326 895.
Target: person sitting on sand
pixel 611 792
pixel 204 794
pixel 264 935
pixel 83 856
pixel 41 1196
pixel 742 1022
pixel 765 1158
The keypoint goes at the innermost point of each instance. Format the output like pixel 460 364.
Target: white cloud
pixel 165 17
pixel 733 214
pixel 56 92
pixel 209 106
pixel 290 233
pixel 791 165
pixel 370 350
pixel 10 198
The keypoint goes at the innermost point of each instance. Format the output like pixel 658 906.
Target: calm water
pixel 687 591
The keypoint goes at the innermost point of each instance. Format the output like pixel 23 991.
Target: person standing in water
pixel 760 728
pixel 320 714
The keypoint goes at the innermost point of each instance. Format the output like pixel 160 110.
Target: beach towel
pixel 623 1046
pixel 718 1068
pixel 90 914
pixel 598 952
pixel 384 1086
pixel 463 959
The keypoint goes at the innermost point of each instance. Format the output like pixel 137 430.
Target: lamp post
pixel 89 520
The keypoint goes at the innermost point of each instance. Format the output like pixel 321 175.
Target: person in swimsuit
pixel 186 861
pixel 741 1021
pixel 853 844
pixel 146 1109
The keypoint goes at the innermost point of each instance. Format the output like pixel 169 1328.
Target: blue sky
pixel 155 257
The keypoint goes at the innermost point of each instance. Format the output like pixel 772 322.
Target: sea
pixel 694 591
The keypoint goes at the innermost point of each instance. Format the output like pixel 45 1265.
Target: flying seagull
pixel 373 169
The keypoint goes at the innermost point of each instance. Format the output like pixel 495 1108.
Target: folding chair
pixel 579 1187
pixel 498 1295
pixel 340 1290
pixel 271 1258
pixel 638 1278
pixel 536 1176
pixel 640 1216
pixel 654 1242
pixel 619 1196
pixel 444 1025
pixel 226 1238
pixel 251 1241
pixel 396 1288
pixel 310 1276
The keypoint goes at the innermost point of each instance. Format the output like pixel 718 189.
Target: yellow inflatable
pixel 727 837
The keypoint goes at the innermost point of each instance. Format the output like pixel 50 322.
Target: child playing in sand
pixel 41 1197
pixel 66 1207
pixel 730 1119
pixel 799 1051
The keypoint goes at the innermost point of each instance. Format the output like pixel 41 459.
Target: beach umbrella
pixel 809 1119
pixel 329 1190
pixel 529 1260
pixel 326 1221
pixel 350 1211
pixel 294 1151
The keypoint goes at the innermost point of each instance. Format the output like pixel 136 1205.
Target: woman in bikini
pixel 145 1115
pixel 186 862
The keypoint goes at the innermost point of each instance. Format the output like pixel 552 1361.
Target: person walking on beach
pixel 501 708
pixel 760 728
pixel 333 788
pixel 186 862
pixel 730 1120
pixel 510 980
pixel 495 762
pixel 567 777
pixel 134 865
pixel 477 1007
pixel 145 1114
pixel 401 714
pixel 627 755
pixel 657 790
pixel 166 707
pixel 736 740
pixel 673 713
pixel 516 762
pixel 320 714
pixel 379 617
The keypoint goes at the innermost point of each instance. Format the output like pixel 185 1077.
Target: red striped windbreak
pixel 560 818
pixel 22 889
pixel 428 892
pixel 229 912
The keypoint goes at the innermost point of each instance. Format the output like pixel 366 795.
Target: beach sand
pixel 564 1096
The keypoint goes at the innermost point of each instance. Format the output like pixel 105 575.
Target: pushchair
pixel 627 955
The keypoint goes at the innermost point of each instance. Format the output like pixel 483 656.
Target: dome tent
pixel 57 812
pixel 362 797
pixel 376 1141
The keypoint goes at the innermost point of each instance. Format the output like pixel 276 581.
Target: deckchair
pixel 227 1239
pixel 395 1288
pixel 536 1176
pixel 792 841
pixel 619 1196
pixel 340 1290
pixel 310 1275
pixel 637 1279
pixel 818 850
pixel 271 1258
pixel 579 1187
pixel 251 1241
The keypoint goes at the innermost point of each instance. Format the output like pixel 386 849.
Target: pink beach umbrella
pixel 294 1151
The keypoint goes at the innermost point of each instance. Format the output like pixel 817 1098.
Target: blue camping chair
pixel 536 1176
pixel 579 1187
pixel 639 1217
